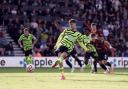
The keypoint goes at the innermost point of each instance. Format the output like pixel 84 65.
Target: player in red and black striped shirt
pixel 103 47
pixel 103 50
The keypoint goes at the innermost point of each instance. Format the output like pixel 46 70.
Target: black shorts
pixel 102 56
pixel 88 55
pixel 28 52
pixel 91 54
pixel 73 52
pixel 61 49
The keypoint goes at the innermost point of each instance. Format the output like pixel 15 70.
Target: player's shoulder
pixel 67 29
pixel 85 37
pixel 31 35
pixel 22 35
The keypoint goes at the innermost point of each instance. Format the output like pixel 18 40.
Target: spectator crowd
pixel 47 19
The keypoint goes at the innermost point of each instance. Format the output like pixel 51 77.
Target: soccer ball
pixel 30 68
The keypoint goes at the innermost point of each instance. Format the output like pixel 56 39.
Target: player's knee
pixel 59 54
pixel 64 55
pixel 100 62
pixel 103 62
pixel 66 58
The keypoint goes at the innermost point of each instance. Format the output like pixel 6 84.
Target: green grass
pixel 47 78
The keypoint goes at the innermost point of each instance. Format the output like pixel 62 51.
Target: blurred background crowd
pixel 48 18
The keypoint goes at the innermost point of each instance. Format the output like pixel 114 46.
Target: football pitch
pixel 48 78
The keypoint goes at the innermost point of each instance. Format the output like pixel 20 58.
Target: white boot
pixel 81 69
pixel 72 70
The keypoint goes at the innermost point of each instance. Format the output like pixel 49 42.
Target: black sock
pixel 108 64
pixel 78 60
pixel 86 61
pixel 95 66
pixel 103 66
pixel 68 63
pixel 86 58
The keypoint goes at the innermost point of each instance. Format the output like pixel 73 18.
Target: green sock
pixel 29 60
pixel 88 66
pixel 61 69
pixel 57 62
pixel 26 59
pixel 60 59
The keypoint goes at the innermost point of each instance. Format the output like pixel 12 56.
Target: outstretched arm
pixel 108 45
pixel 83 41
pixel 59 39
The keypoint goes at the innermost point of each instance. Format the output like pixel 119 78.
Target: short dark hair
pixel 93 24
pixel 26 29
pixel 93 35
pixel 72 21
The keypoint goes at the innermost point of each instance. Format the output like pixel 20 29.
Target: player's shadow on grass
pixel 97 80
pixel 116 74
pixel 121 74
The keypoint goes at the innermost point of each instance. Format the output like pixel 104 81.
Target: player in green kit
pixel 27 42
pixel 65 44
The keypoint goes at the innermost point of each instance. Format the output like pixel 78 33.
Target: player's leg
pixel 91 53
pixel 68 63
pixel 62 54
pixel 95 61
pixel 108 65
pixel 102 62
pixel 28 56
pixel 102 65
pixel 94 68
pixel 28 59
pixel 105 60
pixel 78 61
pixel 57 61
pixel 106 69
pixel 74 55
pixel 86 58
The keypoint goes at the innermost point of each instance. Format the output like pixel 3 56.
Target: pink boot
pixel 62 77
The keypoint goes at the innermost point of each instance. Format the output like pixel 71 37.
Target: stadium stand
pixel 46 19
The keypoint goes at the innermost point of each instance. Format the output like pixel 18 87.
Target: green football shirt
pixel 27 41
